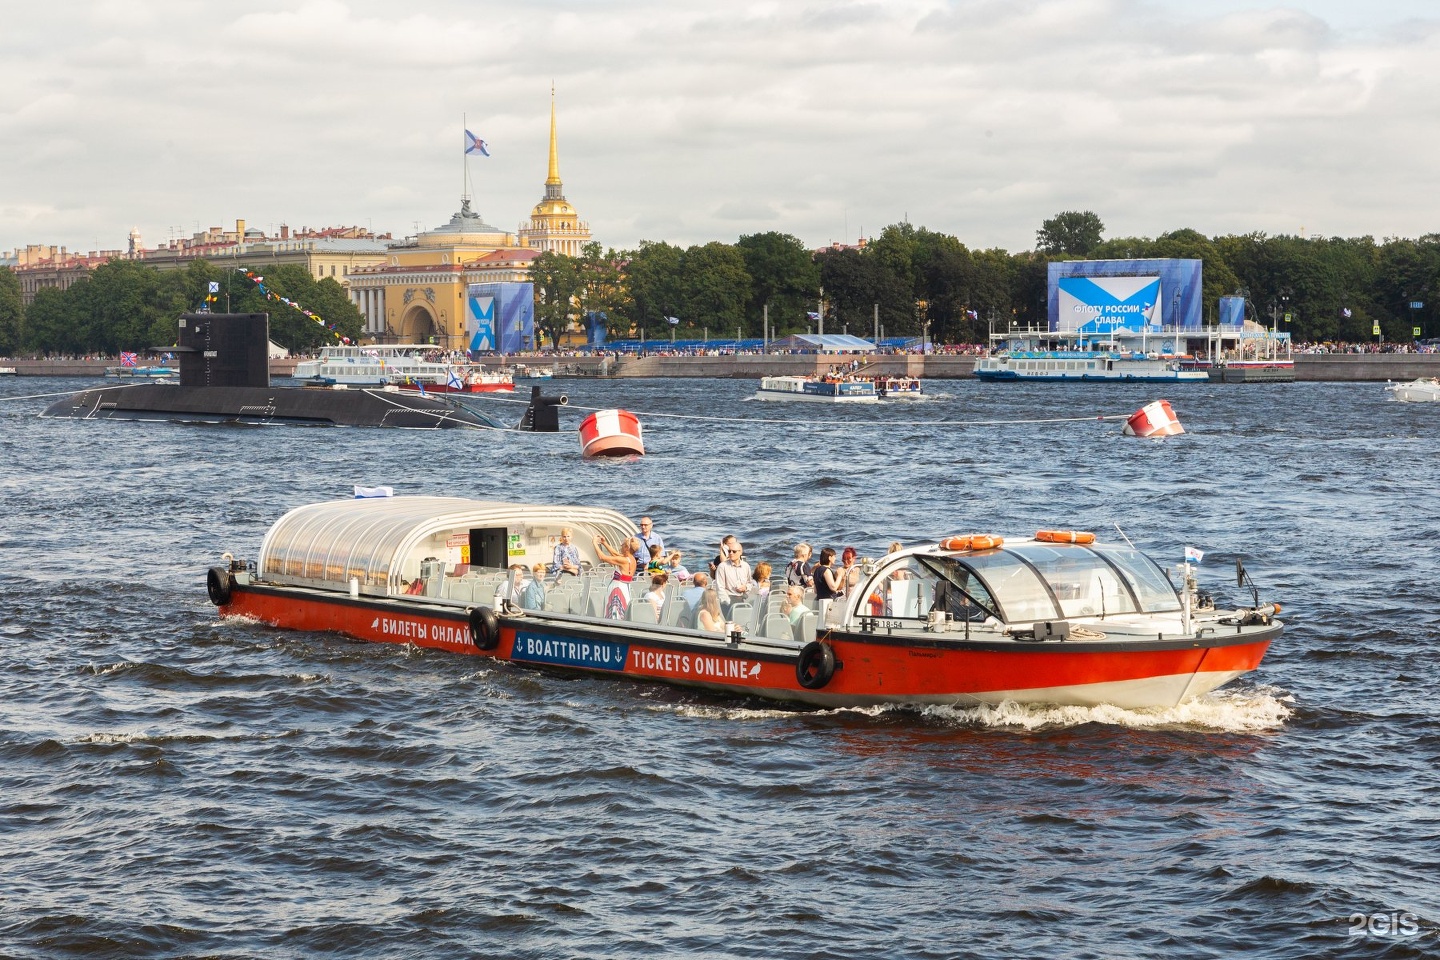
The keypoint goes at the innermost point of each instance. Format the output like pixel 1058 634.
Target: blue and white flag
pixel 362 493
pixel 1345 313
pixel 474 144
pixel 1194 556
pixel 813 315
pixel 214 286
pixel 672 320
pixel 454 382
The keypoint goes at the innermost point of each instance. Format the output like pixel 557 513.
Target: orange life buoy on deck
pixel 1064 536
pixel 972 541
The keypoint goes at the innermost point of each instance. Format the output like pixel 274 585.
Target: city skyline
pixel 688 122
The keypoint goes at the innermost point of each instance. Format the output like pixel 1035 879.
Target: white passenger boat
pixel 817 389
pixel 401 364
pixel 1053 618
pixel 8 372
pixel 1421 390
pixel 1098 364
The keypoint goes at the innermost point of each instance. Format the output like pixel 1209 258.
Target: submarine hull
pixel 378 407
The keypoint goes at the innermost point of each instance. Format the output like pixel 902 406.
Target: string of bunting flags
pixel 269 294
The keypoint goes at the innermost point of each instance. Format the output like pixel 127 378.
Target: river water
pixel 174 785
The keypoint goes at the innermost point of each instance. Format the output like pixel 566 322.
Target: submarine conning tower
pixel 224 350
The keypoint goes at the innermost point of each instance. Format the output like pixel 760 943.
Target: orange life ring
pixel 1064 536
pixel 972 541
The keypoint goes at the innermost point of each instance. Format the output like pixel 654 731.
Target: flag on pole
pixel 129 359
pixel 214 286
pixel 474 144
pixel 672 320
pixel 1194 556
pixel 1345 313
pixel 454 382
pixel 813 315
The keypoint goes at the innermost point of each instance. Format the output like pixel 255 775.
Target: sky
pixel 689 122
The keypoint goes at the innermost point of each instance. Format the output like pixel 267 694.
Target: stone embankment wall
pixel 1373 367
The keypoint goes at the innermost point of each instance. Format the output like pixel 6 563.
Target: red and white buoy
pixel 611 433
pixel 1153 420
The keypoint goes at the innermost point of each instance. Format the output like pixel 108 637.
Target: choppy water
pixel 173 786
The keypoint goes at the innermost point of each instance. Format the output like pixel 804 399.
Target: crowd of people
pixel 709 593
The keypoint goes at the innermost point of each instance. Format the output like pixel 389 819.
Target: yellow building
pixel 419 294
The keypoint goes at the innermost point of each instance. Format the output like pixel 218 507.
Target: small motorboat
pixel 1055 618
pixel 1419 390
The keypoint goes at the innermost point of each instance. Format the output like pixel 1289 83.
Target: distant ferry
pixel 400 364
pixel 1085 365
pixel 822 390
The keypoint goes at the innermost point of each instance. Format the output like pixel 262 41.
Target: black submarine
pixel 225 378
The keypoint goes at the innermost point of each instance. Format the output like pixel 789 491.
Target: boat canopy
pixel 387 543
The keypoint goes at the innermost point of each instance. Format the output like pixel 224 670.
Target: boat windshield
pixel 1026 582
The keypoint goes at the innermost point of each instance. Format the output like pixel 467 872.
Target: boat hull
pixel 266 405
pixel 870 669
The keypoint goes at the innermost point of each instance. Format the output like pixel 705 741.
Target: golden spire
pixel 554 177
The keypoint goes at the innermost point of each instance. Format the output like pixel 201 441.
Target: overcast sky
pixel 690 122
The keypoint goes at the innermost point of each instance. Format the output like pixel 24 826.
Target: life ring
pixel 1064 536
pixel 973 541
pixel 484 628
pixel 816 665
pixel 217 584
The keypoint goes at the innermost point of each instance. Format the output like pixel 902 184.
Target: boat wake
pixel 1254 710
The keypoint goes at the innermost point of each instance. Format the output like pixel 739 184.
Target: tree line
pixel 917 280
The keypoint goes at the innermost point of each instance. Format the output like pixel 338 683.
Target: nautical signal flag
pixel 129 359
pixel 454 382
pixel 1193 555
pixel 474 144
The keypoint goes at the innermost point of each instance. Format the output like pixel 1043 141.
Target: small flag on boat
pixel 1194 556
pixel 362 493
pixel 474 144
pixel 455 383
pixel 129 359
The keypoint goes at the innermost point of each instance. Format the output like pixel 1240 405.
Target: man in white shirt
pixel 732 577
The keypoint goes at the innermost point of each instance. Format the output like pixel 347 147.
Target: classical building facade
pixel 419 294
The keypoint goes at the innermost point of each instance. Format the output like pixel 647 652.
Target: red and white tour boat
pixel 1057 618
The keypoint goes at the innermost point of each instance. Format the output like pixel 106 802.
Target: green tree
pixel 50 326
pixel 601 288
pixel 12 313
pixel 558 284
pixel 714 287
pixel 1072 234
pixel 854 283
pixel 783 275
pixel 651 280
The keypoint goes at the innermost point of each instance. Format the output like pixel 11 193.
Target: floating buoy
pixel 611 433
pixel 1153 420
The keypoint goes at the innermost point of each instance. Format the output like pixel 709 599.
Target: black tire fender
pixel 484 628
pixel 815 666
pixel 217 584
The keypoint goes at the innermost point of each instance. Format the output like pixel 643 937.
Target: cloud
pixel 689 122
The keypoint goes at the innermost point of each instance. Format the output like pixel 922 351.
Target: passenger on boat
pixel 656 593
pixel 793 606
pixel 849 570
pixel 656 563
pixel 829 583
pixel 533 596
pixel 415 588
pixel 762 583
pixel 708 617
pixel 732 578
pixel 691 597
pixel 725 546
pixel 617 602
pixel 567 556
pixel 513 586
pixel 798 570
pixel 675 568
pixel 648 538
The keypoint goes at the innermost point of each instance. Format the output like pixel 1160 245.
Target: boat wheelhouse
pixel 817 389
pixel 1054 618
